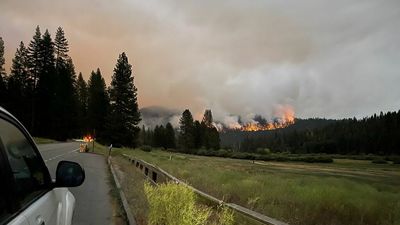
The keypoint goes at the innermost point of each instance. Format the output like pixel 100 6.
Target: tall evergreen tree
pixel 2 60
pixel 98 104
pixel 124 115
pixel 45 89
pixel 19 85
pixel 66 93
pixel 209 132
pixel 3 85
pixel 143 136
pixel 35 67
pixel 169 136
pixel 61 48
pixel 186 128
pixel 159 136
pixel 82 95
pixel 35 57
pixel 207 119
pixel 67 98
pixel 198 134
pixel 213 139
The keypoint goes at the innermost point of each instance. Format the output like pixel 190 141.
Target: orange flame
pixel 285 116
pixel 87 138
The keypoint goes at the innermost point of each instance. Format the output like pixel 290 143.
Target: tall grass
pixel 175 204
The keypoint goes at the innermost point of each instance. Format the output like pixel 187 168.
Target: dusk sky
pixel 330 59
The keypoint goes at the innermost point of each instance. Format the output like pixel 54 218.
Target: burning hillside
pixel 283 117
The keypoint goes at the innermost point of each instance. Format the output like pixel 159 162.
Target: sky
pixel 322 58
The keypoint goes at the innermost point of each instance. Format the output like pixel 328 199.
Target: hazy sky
pixel 324 58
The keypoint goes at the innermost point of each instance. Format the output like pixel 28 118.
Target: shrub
pixel 223 153
pixel 264 157
pixel 201 152
pixel 207 152
pixel 396 160
pixel 238 155
pixel 263 151
pixel 324 159
pixel 316 159
pixel 173 204
pixel 146 148
pixel 379 161
pixel 282 159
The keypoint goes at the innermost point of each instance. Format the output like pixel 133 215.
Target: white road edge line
pixel 57 156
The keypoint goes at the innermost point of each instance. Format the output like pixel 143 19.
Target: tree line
pixel 191 135
pixel 377 134
pixel 44 93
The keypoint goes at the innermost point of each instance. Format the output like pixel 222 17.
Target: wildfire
pixel 284 116
pixel 254 126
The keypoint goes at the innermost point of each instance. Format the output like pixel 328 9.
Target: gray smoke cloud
pixel 155 116
pixel 325 58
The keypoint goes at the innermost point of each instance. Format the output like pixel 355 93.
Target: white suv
pixel 28 196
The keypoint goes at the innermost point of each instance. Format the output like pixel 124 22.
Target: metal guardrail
pixel 148 167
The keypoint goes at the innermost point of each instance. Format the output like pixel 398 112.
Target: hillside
pixel 232 138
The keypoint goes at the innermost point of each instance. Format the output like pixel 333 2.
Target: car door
pixel 7 214
pixel 32 197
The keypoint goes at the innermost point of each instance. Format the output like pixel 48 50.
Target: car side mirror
pixel 69 174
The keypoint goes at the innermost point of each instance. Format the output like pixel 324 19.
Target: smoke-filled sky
pixel 325 58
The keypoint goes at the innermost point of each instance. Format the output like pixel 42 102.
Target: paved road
pixel 93 205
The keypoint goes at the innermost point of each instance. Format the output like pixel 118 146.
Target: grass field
pixel 343 192
pixel 40 140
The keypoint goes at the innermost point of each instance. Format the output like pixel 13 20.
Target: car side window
pixel 29 173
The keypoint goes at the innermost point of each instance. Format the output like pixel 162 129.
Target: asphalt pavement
pixel 93 204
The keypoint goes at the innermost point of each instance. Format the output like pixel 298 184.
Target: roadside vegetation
pixel 344 192
pixel 172 203
pixel 153 204
pixel 40 141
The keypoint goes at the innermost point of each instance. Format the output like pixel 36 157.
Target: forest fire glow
pixel 284 117
pixel 87 138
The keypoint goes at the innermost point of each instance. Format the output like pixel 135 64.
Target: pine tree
pixel 66 93
pixel 186 139
pixel 61 48
pixel 98 104
pixel 209 133
pixel 19 85
pixel 35 65
pixel 82 96
pixel 198 134
pixel 67 98
pixel 2 60
pixel 207 119
pixel 124 115
pixel 35 57
pixel 213 138
pixel 3 84
pixel 159 136
pixel 143 136
pixel 169 136
pixel 45 89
